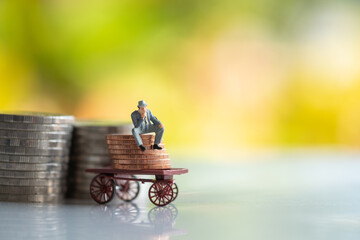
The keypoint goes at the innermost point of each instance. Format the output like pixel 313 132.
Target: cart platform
pixel 110 181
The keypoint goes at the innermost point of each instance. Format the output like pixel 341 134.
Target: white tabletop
pixel 314 195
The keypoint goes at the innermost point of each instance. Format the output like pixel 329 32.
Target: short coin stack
pixel 34 154
pixel 89 150
pixel 125 154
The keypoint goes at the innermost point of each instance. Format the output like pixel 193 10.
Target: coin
pixel 31 174
pixel 83 182
pixel 125 154
pixel 30 190
pixel 136 151
pixel 85 131
pixel 33 159
pixel 34 156
pixel 32 182
pixel 141 166
pixel 33 167
pixel 80 195
pixel 85 176
pixel 132 147
pixel 142 161
pixel 35 135
pixel 88 165
pixel 88 143
pixel 101 125
pixel 35 117
pixel 41 144
pixel 31 198
pixel 139 156
pixel 36 127
pixel 90 159
pixel 90 151
pixel 120 137
pixel 34 151
pixel 129 142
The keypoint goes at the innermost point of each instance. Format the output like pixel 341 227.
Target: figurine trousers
pixel 148 129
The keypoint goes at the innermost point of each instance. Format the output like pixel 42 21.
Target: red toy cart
pixel 125 185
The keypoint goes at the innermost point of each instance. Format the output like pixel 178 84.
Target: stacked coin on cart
pixel 34 153
pixel 89 150
pixel 125 154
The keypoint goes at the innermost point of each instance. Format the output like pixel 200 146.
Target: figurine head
pixel 142 105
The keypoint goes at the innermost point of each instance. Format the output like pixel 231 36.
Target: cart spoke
pixel 96 180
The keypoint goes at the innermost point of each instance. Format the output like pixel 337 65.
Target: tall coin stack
pixel 125 154
pixel 89 150
pixel 34 154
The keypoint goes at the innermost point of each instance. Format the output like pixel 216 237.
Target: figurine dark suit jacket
pixel 142 126
pixel 138 121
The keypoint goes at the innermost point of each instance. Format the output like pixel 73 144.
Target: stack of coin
pixel 34 154
pixel 89 150
pixel 125 154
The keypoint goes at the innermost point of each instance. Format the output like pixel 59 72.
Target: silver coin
pixel 90 158
pixel 36 117
pixel 36 127
pixel 33 167
pixel 34 135
pixel 96 133
pixel 61 185
pixel 82 181
pixel 83 166
pixel 32 198
pixel 32 182
pixel 90 151
pixel 90 135
pixel 34 151
pixel 40 144
pixel 89 143
pixel 100 131
pixel 80 175
pixel 33 159
pixel 31 190
pixel 82 188
pixel 101 124
pixel 83 174
pixel 83 139
pixel 78 195
pixel 32 174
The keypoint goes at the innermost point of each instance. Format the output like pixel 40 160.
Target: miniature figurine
pixel 141 119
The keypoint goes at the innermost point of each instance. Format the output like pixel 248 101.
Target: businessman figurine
pixel 141 119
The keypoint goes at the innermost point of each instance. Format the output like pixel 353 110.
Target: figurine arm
pixel 136 121
pixel 154 119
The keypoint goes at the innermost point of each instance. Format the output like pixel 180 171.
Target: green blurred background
pixel 223 76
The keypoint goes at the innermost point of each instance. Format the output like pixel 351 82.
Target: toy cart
pixel 125 185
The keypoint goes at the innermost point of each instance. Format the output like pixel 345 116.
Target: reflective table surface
pixel 311 195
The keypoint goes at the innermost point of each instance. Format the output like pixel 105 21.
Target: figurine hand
pixel 161 125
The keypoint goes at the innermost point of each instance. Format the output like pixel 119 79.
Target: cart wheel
pixel 175 190
pixel 160 193
pixel 160 216
pixel 126 212
pixel 102 189
pixel 127 190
